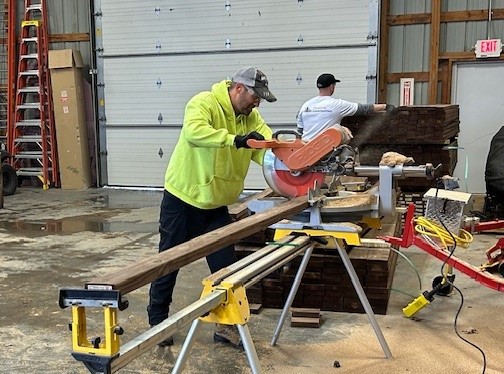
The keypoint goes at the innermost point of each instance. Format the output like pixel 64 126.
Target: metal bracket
pixel 94 353
pixel 234 311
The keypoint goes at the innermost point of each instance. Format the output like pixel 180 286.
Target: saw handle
pixel 286 132
pixel 276 143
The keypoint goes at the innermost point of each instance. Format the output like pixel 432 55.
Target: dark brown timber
pixel 149 269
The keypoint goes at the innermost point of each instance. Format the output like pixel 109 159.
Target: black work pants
pixel 178 223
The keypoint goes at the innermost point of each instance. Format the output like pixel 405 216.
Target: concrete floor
pixel 53 239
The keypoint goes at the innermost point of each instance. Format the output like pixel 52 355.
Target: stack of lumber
pixel 425 132
pixel 326 284
pixel 419 124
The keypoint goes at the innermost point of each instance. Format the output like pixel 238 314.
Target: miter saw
pixel 293 167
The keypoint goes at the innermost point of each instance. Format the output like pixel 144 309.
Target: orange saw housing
pixel 297 156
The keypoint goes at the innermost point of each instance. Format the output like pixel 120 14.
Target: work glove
pixel 241 140
pixel 391 109
pixel 347 134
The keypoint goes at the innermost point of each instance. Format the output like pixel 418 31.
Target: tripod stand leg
pixel 248 345
pixel 363 298
pixel 292 294
pixel 186 348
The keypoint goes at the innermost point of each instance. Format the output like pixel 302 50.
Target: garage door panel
pixel 134 157
pixel 149 27
pixel 156 55
pixel 133 97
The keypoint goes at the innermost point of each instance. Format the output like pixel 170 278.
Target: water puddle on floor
pixel 73 225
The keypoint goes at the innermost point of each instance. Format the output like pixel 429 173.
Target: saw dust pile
pixel 394 158
pixel 351 201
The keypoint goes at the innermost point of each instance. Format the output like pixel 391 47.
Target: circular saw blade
pixel 287 183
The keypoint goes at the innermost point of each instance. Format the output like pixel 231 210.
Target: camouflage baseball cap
pixel 255 79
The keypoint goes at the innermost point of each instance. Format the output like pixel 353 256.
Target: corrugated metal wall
pixel 462 36
pixel 67 16
pixel 409 45
pixel 71 16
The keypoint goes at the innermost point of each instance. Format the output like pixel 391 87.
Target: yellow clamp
pixel 351 238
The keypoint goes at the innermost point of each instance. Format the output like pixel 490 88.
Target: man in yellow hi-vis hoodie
pixel 206 173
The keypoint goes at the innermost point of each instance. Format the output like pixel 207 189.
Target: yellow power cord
pixel 430 228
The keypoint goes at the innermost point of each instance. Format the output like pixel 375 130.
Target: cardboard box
pixel 70 119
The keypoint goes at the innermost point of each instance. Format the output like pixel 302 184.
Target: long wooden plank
pixel 149 269
pixel 69 37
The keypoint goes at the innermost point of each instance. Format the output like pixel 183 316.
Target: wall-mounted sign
pixel 407 88
pixel 488 48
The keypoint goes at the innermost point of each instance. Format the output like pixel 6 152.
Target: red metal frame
pixel 409 238
pixel 490 225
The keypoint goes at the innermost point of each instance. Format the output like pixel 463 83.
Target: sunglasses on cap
pixel 252 93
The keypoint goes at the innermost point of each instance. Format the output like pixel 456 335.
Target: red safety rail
pixel 490 225
pixel 410 238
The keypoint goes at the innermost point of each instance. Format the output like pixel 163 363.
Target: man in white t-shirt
pixel 324 111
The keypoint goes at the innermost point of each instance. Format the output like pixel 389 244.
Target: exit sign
pixel 488 48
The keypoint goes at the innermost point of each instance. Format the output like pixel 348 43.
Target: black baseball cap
pixel 325 80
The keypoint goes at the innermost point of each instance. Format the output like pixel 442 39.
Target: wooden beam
pixel 471 15
pixel 445 91
pixel 383 58
pixel 67 38
pixel 466 56
pixel 142 272
pixel 434 50
pixel 409 19
pixel 453 16
pixel 419 76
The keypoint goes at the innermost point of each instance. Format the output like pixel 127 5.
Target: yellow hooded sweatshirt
pixel 206 170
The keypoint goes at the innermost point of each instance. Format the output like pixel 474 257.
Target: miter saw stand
pixel 293 168
pixel 330 235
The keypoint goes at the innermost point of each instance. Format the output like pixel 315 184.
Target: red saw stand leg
pixel 409 238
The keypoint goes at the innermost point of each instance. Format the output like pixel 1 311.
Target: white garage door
pixel 153 56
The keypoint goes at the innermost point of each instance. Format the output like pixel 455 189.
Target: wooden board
pixel 255 308
pixel 305 312
pixel 144 271
pixel 305 322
